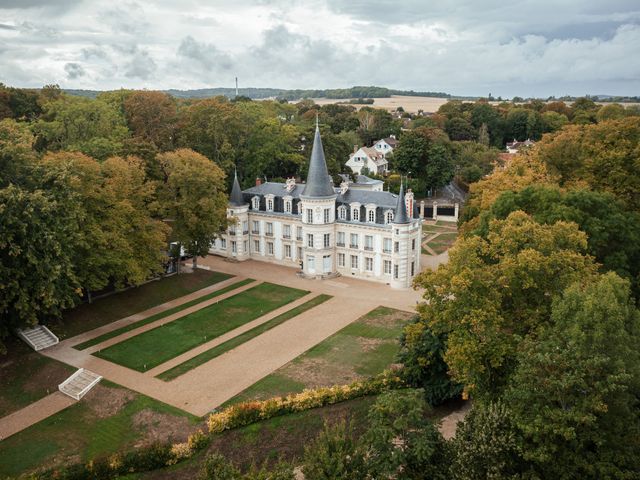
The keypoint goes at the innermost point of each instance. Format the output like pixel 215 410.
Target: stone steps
pixel 39 337
pixel 78 384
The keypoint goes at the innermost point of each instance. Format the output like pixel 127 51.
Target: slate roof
pixel 401 209
pixel 236 197
pixel 319 182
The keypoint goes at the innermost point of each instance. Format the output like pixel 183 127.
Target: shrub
pixel 249 412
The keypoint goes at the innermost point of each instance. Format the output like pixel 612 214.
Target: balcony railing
pixel 353 245
pixel 368 248
pixel 255 232
pixel 286 236
pixel 340 244
pixel 269 234
pixel 386 250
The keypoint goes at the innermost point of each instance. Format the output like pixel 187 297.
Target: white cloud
pixel 463 47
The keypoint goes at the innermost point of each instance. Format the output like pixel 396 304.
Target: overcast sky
pixel 464 47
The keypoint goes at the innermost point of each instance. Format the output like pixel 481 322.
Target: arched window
pixel 342 212
pixel 255 201
pixel 287 206
pixel 371 216
pixel 269 204
pixel 389 217
pixel 355 214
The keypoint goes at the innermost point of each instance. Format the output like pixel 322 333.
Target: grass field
pixel 114 307
pixel 240 339
pixel 156 346
pixel 110 418
pixel 158 316
pixel 362 349
pixel 27 376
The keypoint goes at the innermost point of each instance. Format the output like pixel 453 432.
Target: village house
pixel 513 147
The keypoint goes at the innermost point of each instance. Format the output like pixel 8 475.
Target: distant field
pixel 409 104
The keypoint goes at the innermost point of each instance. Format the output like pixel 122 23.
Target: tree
pixel 152 116
pixel 494 291
pixel 89 126
pixel 421 355
pixel 40 232
pixel 603 156
pixel 193 199
pixel 613 232
pixel 460 129
pixel 16 153
pixel 334 455
pixel 426 153
pixel 401 442
pixel 483 135
pixel 473 160
pixel 575 392
pixel 121 244
pixel 486 445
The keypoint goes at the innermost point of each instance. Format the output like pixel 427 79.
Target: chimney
pixel 355 148
pixel 258 181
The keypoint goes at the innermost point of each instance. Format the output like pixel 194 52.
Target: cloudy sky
pixel 464 47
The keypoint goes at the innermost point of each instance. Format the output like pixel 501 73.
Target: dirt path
pixel 31 414
pixel 449 424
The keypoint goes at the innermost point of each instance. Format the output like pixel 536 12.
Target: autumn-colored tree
pixel 494 291
pixel 605 157
pixel 153 117
pixel 194 200
pixel 121 243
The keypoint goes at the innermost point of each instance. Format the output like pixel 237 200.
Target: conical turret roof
pixel 401 207
pixel 319 183
pixel 236 198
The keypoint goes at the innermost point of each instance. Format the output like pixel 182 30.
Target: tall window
pixel 396 247
pixel 309 240
pixel 299 253
pixel 413 244
pixel 287 251
pixel 256 246
pixel 255 227
pixel 245 226
pixel 413 267
pixel 341 259
pixel 395 271
pixel 309 215
pixel 255 203
pixel 368 264
pixel 287 206
pixel 387 246
pixel 355 214
pixel 354 261
pixel 327 240
pixel 342 212
pixel 270 204
pixel 223 243
pixel 269 229
pixel 234 247
pixel 387 267
pixel 340 240
pixel 269 248
pixel 368 242
pixel 354 240
pixel 286 232
pixel 371 216
pixel 298 233
pixel 327 215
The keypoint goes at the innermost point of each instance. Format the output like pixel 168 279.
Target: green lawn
pixel 362 349
pixel 240 339
pixel 442 242
pixel 158 316
pixel 27 376
pixel 156 346
pixel 105 310
pixel 107 420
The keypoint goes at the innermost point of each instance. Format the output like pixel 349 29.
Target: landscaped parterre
pixel 156 346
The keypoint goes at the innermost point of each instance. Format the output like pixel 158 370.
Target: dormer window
pixel 371 216
pixel 288 204
pixel 255 203
pixel 355 213
pixel 388 218
pixel 269 202
pixel 342 212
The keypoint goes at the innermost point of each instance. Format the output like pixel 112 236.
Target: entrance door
pixel 326 264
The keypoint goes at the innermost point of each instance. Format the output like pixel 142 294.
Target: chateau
pixel 325 231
